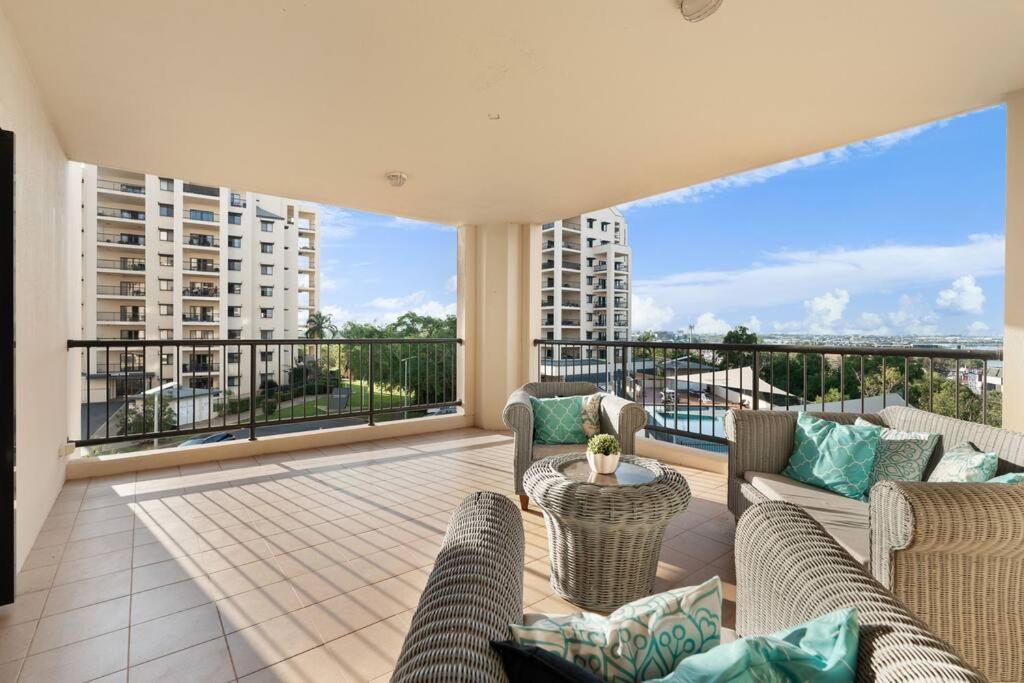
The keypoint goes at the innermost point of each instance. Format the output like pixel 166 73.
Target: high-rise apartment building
pixel 585 287
pixel 168 259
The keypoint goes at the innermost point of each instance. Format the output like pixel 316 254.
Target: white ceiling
pixel 600 101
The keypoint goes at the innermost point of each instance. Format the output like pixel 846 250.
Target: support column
pixel 498 315
pixel 1013 337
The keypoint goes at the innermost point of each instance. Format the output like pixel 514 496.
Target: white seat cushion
pixel 845 519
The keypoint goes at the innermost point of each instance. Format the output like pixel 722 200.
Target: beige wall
pixel 1013 339
pixel 498 315
pixel 44 315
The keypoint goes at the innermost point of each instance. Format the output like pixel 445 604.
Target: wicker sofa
pixel 620 417
pixel 953 553
pixel 788 570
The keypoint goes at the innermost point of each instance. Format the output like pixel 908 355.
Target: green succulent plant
pixel 605 444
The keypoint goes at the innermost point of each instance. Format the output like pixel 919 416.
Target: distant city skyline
pixel 898 235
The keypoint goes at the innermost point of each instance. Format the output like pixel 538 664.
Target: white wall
pixel 44 312
pixel 1013 336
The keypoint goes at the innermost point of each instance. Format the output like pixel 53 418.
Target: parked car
pixel 208 438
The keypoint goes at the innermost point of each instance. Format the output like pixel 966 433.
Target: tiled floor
pixel 304 566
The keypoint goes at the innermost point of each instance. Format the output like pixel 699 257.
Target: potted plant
pixel 603 452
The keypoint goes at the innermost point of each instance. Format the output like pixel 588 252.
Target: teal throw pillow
pixel 901 456
pixel 641 640
pixel 558 420
pixel 832 456
pixel 823 650
pixel 1008 478
pixel 965 463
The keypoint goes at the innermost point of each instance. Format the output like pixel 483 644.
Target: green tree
pixel 141 416
pixel 738 359
pixel 645 337
pixel 320 326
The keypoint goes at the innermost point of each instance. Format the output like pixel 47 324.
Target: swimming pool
pixel 705 421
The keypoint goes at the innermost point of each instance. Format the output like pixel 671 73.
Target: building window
pixel 266 334
pixel 234 311
pixel 235 218
pixel 235 241
pixel 590 317
pixel 267 356
pixel 167 334
pixel 234 288
pixel 166 285
pixel 267 226
pixel 590 279
pixel 266 269
pixel 166 309
pixel 266 312
pixel 166 260
pixel 167 184
pixel 166 210
pixel 200 215
pixel 267 247
pixel 234 357
pixel 166 359
pixel 166 235
pixel 233 380
pixel 590 298
pixel 265 378
pixel 234 334
pixel 234 264
pixel 266 290
pixel 604 227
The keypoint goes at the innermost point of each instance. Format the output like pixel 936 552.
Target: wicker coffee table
pixel 605 531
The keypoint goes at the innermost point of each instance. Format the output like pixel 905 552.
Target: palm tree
pixel 320 326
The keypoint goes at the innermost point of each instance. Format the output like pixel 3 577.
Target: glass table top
pixel 625 475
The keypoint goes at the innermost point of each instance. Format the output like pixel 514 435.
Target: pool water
pixel 706 421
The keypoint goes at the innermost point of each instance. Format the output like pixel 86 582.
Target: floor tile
pixel 272 641
pixel 80 624
pixel 159 637
pixel 208 662
pixel 79 662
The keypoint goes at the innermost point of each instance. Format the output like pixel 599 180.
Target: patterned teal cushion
pixel 641 640
pixel 558 420
pixel 1008 478
pixel 833 456
pixel 823 650
pixel 901 456
pixel 965 463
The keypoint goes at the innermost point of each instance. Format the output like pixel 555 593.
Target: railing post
pixel 369 379
pixel 755 389
pixel 252 392
pixel 622 371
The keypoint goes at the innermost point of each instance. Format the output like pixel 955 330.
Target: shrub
pixel 605 444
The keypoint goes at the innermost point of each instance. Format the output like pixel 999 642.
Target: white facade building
pixel 166 259
pixel 585 281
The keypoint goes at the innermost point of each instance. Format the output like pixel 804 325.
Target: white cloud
pixel 754 324
pixel 383 310
pixel 701 191
pixel 648 315
pixel 823 312
pixel 868 323
pixel 914 317
pixel 964 295
pixel 452 283
pixel 709 323
pixel 977 328
pixel 790 277
pixel 336 223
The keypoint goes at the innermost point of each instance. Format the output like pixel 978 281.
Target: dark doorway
pixel 7 552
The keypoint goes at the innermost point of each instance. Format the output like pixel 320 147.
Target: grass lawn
pixel 357 402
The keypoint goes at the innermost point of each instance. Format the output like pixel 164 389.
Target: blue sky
pixel 902 234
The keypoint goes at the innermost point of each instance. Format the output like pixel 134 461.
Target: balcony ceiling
pixel 600 101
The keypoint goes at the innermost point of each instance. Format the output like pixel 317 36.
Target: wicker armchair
pixel 620 417
pixel 788 570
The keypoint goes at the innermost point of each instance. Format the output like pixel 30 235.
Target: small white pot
pixel 601 463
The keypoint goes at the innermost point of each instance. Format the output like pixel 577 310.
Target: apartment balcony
pixel 570 323
pixel 120 316
pixel 622 267
pixel 237 201
pixel 121 291
pixel 194 267
pixel 120 187
pixel 202 241
pixel 621 303
pixel 570 265
pixel 571 225
pixel 601 268
pixel 200 190
pixel 547 302
pixel 120 214
pixel 125 240
pixel 571 246
pixel 200 216
pixel 199 367
pixel 200 292
pixel 103 368
pixel 547 265
pixel 199 318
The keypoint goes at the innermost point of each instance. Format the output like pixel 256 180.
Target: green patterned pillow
pixel 558 420
pixel 592 415
pixel 644 639
pixel 965 463
pixel 833 456
pixel 901 456
pixel 1008 478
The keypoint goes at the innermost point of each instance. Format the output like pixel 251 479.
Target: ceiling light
pixel 695 10
pixel 396 178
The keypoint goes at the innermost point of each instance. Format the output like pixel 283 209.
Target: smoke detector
pixel 695 10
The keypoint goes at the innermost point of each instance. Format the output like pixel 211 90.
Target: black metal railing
pixel 121 316
pixel 119 186
pixel 202 241
pixel 123 239
pixel 201 291
pixel 125 289
pixel 201 215
pixel 250 388
pixel 686 388
pixel 206 190
pixel 111 212
pixel 137 264
pixel 237 201
pixel 201 267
